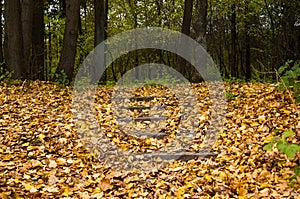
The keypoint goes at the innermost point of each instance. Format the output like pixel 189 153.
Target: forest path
pixel 41 155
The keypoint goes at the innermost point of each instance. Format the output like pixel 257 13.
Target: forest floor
pixel 41 155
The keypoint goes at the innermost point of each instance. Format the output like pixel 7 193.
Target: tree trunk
pixel 1 33
pixel 247 45
pixel 200 23
pixel 38 26
pixel 13 38
pixel 106 19
pixel 134 15
pixel 63 6
pixel 99 36
pixel 27 9
pixel 185 29
pixel 232 63
pixel 200 27
pixel 67 59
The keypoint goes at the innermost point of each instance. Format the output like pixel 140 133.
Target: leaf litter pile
pixel 42 156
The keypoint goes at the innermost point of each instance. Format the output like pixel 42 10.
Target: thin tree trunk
pixel 233 65
pixel 200 28
pixel 185 29
pixel 247 46
pixel 67 59
pixel 38 52
pixel 200 23
pixel 1 33
pixel 99 36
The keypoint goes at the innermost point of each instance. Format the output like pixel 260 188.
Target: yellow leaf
pixel 268 139
pixel 105 184
pixel 7 157
pixel 222 175
pixel 180 191
pixel 207 177
pixel 130 185
pixel 66 192
pixel 286 111
pixel 28 187
pixel 148 141
pixel 264 174
pixel 116 140
pixel 242 191
pixel 264 185
pixel 84 173
pixel 25 144
pixel 189 185
pixel 42 136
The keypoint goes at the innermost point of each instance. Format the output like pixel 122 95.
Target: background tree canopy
pixel 48 39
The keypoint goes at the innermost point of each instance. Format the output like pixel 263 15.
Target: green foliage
pixel 290 76
pixel 4 74
pixel 289 149
pixel 235 80
pixel 54 33
pixel 110 83
pixel 229 96
pixel 61 78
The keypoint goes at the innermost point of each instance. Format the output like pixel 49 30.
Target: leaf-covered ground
pixel 41 155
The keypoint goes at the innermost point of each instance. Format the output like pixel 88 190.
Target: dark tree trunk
pixel 247 46
pixel 99 36
pixel 14 57
pixel 200 28
pixel 106 19
pixel 99 22
pixel 134 14
pixel 38 52
pixel 233 65
pixel 200 22
pixel 67 59
pixel 63 7
pixel 27 17
pixel 248 59
pixel 1 33
pixel 187 17
pixel 274 59
pixel 185 29
pixel 48 53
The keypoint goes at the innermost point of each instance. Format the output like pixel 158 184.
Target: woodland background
pixel 49 39
pixel 256 46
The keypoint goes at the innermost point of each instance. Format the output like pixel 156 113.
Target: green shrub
pixel 290 76
pixel 4 74
pixel 289 149
pixel 229 96
pixel 61 78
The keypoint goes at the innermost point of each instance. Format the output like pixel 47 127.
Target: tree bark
pixel 185 29
pixel 1 33
pixel 38 52
pixel 99 36
pixel 247 46
pixel 27 22
pixel 232 63
pixel 14 57
pixel 67 59
pixel 99 22
pixel 200 28
pixel 200 22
